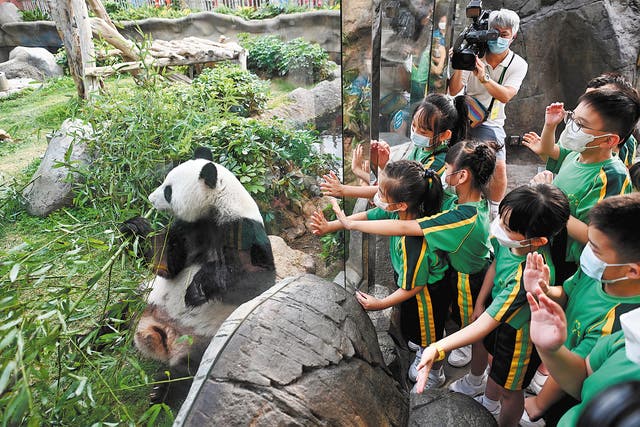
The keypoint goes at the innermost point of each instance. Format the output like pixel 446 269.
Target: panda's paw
pixel 136 226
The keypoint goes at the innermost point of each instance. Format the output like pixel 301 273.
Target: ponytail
pixel 433 194
pixel 407 181
pixel 479 157
pixel 461 128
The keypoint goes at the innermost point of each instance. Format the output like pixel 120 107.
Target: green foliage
pixel 264 12
pixel 271 56
pixel 101 48
pixel 36 14
pixel 232 89
pixel 70 289
pixel 333 244
pixel 143 12
pixel 270 159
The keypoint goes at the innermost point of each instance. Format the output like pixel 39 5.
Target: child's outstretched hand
pixel 548 323
pixel 346 223
pixel 533 142
pixel 360 166
pixel 368 302
pixel 536 275
pixel 429 356
pixel 554 114
pixel 318 223
pixel 331 185
pixel 544 177
pixel 381 151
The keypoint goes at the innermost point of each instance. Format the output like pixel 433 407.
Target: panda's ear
pixel 210 174
pixel 203 153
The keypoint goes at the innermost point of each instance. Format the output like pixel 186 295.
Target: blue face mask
pixel 498 46
pixel 420 140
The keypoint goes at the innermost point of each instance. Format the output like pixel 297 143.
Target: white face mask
pixel 420 140
pixel 501 236
pixel 594 267
pixel 577 140
pixel 442 26
pixel 381 204
pixel 629 322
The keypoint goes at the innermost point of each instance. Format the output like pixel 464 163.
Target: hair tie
pixel 429 173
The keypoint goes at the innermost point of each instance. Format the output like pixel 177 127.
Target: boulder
pixel 31 62
pixel 289 261
pixel 566 43
pixel 9 12
pixel 318 106
pixel 444 408
pixel 50 187
pixel 303 353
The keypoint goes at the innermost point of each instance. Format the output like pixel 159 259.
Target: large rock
pixel 9 12
pixel 303 353
pixel 444 408
pixel 289 261
pixel 566 43
pixel 31 62
pixel 318 106
pixel 50 187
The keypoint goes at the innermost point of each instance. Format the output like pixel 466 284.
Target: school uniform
pixel 509 343
pixel 430 159
pixel 421 317
pixel 462 232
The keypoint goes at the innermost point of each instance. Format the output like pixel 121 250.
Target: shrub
pixel 36 14
pixel 270 56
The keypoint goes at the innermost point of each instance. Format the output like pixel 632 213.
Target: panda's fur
pixel 214 256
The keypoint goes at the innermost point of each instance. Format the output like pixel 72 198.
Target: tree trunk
pixel 72 22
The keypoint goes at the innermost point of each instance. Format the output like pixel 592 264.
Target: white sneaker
pixel 465 386
pixel 435 379
pixel 526 422
pixel 413 346
pixel 536 383
pixel 495 412
pixel 460 356
pixel 413 369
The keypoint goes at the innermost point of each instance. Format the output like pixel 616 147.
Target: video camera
pixel 473 40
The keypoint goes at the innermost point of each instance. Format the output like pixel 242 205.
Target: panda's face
pixel 188 191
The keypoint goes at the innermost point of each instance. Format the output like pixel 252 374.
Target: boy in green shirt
pixel 606 286
pixel 614 358
pixel 528 217
pixel 583 161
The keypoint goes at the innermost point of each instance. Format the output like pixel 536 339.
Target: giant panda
pixel 211 258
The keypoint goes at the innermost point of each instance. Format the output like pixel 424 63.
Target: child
pixel 586 169
pixel 614 359
pixel 606 285
pixel 528 219
pixel 461 230
pixel 436 124
pixel 628 145
pixel 407 191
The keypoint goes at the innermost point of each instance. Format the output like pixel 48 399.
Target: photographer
pixel 483 84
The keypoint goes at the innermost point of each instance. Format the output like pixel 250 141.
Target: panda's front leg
pixel 210 281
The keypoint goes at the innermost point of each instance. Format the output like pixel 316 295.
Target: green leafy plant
pixel 263 12
pixel 270 56
pixel 37 14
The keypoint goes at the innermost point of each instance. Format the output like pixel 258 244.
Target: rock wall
pixel 566 43
pixel 322 27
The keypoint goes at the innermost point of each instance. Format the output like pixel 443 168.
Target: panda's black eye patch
pixel 167 193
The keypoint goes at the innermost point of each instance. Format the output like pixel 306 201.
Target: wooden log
pixel 114 38
pixel 72 22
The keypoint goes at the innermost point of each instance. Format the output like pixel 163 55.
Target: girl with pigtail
pixel 461 232
pixel 407 191
pixel 438 122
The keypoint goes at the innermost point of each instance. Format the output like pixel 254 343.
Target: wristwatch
pixel 487 77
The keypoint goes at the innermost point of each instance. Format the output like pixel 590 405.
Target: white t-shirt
pixel 513 77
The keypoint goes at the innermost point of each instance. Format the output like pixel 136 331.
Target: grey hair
pixel 505 18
